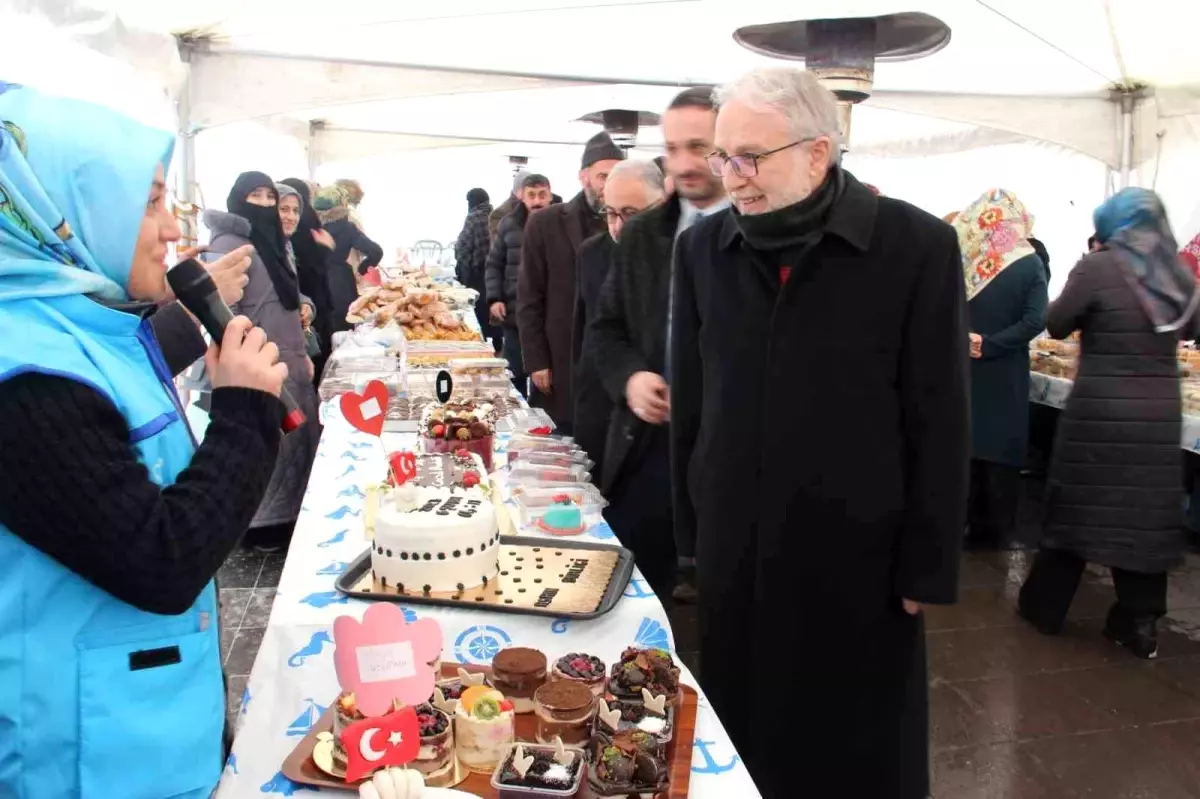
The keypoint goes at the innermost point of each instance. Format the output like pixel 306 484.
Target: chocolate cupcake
pixel 620 765
pixel 588 670
pixel 518 672
pixel 651 669
pixel 651 718
pixel 565 710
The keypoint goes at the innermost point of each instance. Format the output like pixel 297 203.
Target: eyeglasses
pixel 625 214
pixel 745 165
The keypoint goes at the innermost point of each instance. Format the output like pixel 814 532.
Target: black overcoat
pixel 592 404
pixel 1112 490
pixel 1008 314
pixel 820 432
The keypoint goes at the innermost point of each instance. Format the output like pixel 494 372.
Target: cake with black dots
pixel 435 540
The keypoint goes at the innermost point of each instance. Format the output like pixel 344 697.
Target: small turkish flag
pixel 375 743
pixel 404 466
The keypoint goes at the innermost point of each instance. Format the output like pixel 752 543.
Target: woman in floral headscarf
pixel 1114 479
pixel 1006 293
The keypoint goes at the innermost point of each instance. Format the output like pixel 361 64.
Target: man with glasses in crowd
pixel 628 343
pixel 819 420
pixel 633 187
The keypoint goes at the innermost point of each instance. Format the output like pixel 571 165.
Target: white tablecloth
pixel 293 679
pixel 1054 391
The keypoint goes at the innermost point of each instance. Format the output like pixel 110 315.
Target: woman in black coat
pixel 313 247
pixel 1006 292
pixel 1113 489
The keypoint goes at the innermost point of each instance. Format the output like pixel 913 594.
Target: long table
pixel 1054 392
pixel 293 678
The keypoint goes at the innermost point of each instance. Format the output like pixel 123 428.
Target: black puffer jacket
pixel 504 262
pixel 1113 484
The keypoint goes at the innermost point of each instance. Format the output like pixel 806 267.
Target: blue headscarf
pixel 1133 225
pixel 74 178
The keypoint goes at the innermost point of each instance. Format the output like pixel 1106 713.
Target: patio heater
pixel 621 124
pixel 842 52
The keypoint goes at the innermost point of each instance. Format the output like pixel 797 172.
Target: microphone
pixel 197 292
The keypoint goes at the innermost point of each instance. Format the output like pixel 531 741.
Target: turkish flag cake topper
pixel 384 658
pixel 403 466
pixel 373 744
pixel 366 411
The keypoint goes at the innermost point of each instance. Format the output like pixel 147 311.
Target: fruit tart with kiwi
pixel 486 727
pixel 649 669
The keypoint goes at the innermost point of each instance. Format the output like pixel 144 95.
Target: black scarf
pixel 266 234
pixel 794 227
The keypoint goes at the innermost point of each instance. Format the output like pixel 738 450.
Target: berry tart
pixel 436 756
pixel 652 669
pixel 579 667
pixel 533 770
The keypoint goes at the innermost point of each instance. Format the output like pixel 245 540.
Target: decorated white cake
pixel 435 539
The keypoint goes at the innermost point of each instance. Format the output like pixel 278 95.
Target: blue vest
pixel 98 698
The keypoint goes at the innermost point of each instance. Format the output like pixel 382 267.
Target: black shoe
pixel 1041 627
pixel 685 586
pixel 1137 634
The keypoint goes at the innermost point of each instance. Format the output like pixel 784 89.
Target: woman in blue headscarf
pixel 112 521
pixel 1113 487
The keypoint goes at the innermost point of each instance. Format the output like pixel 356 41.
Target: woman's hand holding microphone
pixel 246 359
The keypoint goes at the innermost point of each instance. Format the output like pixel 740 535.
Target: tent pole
pixel 1128 102
pixel 314 154
pixel 185 189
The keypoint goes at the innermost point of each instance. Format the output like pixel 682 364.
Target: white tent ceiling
pixel 384 76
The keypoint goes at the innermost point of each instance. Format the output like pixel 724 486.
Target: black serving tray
pixel 621 572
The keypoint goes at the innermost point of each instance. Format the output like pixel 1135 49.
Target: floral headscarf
pixel 993 233
pixel 1133 225
pixel 1191 254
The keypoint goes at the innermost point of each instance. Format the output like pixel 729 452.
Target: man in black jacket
pixel 470 258
pixel 628 343
pixel 632 187
pixel 819 431
pixel 503 264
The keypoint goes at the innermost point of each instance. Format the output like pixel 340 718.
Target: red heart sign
pixel 404 466
pixel 366 411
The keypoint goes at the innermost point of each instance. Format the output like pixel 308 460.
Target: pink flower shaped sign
pixel 384 658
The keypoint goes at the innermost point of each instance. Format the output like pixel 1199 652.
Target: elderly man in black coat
pixel 819 421
pixel 633 187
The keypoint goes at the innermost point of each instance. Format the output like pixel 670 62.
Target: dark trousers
pixel 992 507
pixel 640 512
pixel 512 354
pixel 1048 590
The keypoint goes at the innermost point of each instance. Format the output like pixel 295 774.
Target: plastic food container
pixel 522 420
pixel 529 442
pixel 494 367
pixel 557 780
pixel 533 502
pixel 534 475
pixel 552 458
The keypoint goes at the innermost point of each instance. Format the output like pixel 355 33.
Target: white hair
pixel 809 107
pixel 645 171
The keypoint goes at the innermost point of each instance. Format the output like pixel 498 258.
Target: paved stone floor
pixel 1015 715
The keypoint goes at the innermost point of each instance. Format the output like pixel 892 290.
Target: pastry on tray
pixel 455 426
pixel 436 756
pixel 486 727
pixel 583 668
pixel 622 765
pixel 652 669
pixel 518 672
pixel 537 770
pixel 652 718
pixel 446 693
pixel 564 710
pixel 345 713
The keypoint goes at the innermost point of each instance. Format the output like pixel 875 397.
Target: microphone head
pixel 191 282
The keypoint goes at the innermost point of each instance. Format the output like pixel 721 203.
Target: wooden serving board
pixel 299 766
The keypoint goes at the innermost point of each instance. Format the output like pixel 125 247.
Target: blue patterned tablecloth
pixel 293 679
